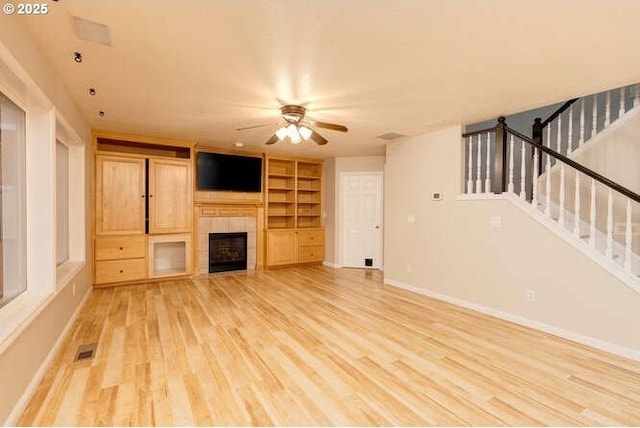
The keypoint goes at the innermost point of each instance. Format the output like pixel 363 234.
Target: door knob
pixel 377 226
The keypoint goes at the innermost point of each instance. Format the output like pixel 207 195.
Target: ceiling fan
pixel 298 127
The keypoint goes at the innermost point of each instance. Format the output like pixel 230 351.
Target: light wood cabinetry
pixel 120 258
pixel 169 255
pixel 120 195
pixel 281 247
pixel 169 196
pixel 143 209
pixel 293 214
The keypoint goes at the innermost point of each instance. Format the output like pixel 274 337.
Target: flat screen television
pixel 217 171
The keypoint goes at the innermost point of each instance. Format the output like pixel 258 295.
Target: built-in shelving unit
pixel 281 196
pixel 293 211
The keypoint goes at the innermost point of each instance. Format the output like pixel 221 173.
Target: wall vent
pixel 91 31
pixel 390 136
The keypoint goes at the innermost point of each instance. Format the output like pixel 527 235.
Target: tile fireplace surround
pixel 216 224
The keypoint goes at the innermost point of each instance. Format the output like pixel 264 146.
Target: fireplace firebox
pixel 227 251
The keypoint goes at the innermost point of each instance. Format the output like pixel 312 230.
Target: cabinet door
pixel 169 196
pixel 120 195
pixel 281 247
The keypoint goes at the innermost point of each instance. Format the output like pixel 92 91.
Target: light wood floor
pixel 316 346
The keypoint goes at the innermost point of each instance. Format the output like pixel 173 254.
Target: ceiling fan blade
pixel 255 126
pixel 318 139
pixel 274 139
pixel 331 126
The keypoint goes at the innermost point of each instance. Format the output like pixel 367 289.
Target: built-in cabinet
pixel 143 211
pixel 293 211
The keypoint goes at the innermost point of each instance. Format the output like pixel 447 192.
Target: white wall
pixel 453 251
pixel 333 168
pixel 24 353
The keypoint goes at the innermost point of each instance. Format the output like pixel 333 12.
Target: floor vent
pixel 85 352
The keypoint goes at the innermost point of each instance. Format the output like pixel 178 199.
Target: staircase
pixel 540 174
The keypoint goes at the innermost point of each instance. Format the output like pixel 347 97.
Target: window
pixel 62 203
pixel 13 260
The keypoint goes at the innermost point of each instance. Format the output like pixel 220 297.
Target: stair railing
pixel 578 199
pixel 580 119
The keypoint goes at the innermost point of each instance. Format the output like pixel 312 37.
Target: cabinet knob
pixel 121 248
pixel 121 271
pixel 142 196
pixel 151 196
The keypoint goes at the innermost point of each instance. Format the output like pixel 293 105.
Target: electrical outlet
pixel 409 267
pixel 411 218
pixel 531 296
pixel 495 221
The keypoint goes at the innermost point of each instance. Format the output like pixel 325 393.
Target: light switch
pixel 411 218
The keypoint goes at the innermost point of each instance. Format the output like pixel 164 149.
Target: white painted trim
pixel 630 280
pixel 331 265
pixel 614 269
pixel 480 196
pixel 21 405
pixel 536 325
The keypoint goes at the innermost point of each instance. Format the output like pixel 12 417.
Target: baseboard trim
pixel 565 334
pixel 21 405
pixel 331 265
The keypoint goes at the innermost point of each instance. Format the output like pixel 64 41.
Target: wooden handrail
pixel 558 112
pixel 482 131
pixel 583 169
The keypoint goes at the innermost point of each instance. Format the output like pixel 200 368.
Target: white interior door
pixel 361 219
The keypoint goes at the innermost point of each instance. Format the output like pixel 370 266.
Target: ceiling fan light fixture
pixel 292 131
pixel 282 133
pixel 305 132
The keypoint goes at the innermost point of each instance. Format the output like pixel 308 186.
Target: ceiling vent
pixel 390 136
pixel 90 31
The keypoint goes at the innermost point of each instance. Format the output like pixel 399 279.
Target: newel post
pixel 499 178
pixel 536 136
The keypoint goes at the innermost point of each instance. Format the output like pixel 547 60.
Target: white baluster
pixel 547 206
pixel 592 215
pixel 534 179
pixel 570 131
pixel 628 236
pixel 470 173
pixel 636 99
pixel 561 198
pixel 609 251
pixel 607 110
pixel 559 135
pixel 487 181
pixel 576 207
pixel 581 140
pixel 622 102
pixel 523 172
pixel 478 166
pixel 594 118
pixel 510 185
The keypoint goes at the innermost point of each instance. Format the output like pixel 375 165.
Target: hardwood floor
pixel 317 346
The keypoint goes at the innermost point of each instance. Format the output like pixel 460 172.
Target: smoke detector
pixel 91 31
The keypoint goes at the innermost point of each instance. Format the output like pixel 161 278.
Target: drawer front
pixel 120 270
pixel 113 248
pixel 311 253
pixel 310 237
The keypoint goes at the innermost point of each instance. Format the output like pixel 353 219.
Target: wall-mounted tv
pixel 217 171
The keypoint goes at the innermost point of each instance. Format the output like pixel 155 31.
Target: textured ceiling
pixel 200 69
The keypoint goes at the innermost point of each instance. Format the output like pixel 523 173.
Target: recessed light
pixel 92 91
pixel 77 57
pixel 238 144
pixel 101 113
